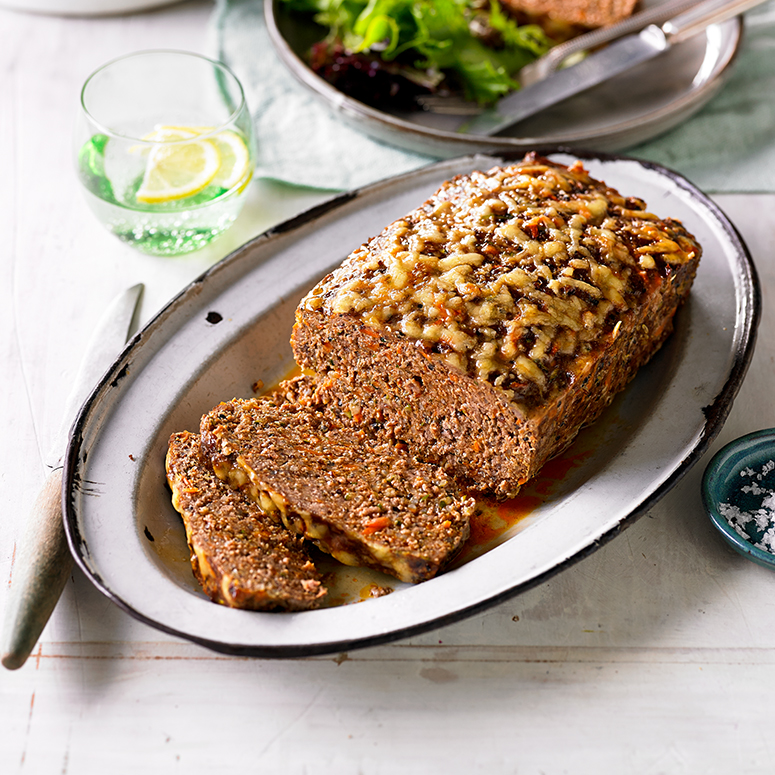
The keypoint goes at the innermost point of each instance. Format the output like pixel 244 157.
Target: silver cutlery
pixel 42 561
pixel 552 60
pixel 618 57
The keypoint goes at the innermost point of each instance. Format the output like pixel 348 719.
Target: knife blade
pixel 618 57
pixel 42 559
pixel 553 59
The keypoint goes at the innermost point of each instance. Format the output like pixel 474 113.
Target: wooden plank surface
pixel 654 655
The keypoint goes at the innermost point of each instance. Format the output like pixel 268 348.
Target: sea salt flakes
pixel 756 525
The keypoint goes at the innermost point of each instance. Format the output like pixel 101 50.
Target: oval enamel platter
pixel 629 109
pixel 228 332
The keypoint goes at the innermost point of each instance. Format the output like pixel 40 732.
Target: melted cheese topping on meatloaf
pixel 514 275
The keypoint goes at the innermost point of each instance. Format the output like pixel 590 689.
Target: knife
pixel 553 59
pixel 617 57
pixel 43 560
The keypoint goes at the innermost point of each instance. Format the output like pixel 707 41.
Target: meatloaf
pixel 487 326
pixel 242 557
pixel 587 13
pixel 366 503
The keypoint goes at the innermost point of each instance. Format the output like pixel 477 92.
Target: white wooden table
pixel 654 655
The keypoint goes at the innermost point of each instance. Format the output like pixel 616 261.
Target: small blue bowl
pixel 747 463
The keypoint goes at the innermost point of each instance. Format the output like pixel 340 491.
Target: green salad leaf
pixel 437 36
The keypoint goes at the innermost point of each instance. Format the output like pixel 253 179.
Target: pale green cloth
pixel 728 146
pixel 299 140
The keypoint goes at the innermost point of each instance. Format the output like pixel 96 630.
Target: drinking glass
pixel 165 149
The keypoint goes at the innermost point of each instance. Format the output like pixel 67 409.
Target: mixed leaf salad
pixel 398 50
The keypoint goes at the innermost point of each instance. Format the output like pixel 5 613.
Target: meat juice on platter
pixel 455 353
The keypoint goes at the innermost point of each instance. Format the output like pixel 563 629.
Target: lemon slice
pixel 166 134
pixel 179 170
pixel 235 159
pixel 182 170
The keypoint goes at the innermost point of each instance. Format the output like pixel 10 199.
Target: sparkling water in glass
pixel 165 149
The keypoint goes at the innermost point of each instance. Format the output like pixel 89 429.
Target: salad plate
pixel 227 335
pixel 626 110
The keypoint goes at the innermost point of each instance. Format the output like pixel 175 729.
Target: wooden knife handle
pixel 41 569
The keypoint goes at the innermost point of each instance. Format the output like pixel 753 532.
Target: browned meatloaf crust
pixel 588 13
pixel 364 502
pixel 486 327
pixel 242 557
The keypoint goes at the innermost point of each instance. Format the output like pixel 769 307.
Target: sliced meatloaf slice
pixel 366 503
pixel 588 13
pixel 486 327
pixel 241 556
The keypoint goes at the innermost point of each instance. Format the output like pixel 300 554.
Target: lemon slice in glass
pixel 179 170
pixel 185 168
pixel 235 159
pixel 166 134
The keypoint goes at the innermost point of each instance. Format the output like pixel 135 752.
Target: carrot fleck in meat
pixel 375 525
